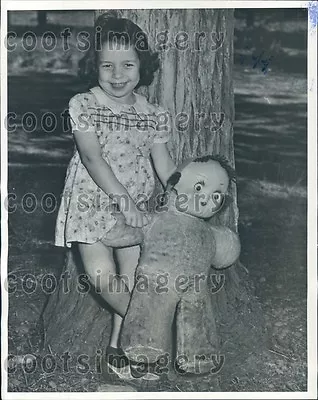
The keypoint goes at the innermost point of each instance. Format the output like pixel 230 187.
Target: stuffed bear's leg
pixel 147 330
pixel 197 342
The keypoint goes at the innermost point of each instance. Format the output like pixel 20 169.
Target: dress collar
pixel 114 106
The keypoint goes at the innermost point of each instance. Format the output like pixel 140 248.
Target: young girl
pixel 116 131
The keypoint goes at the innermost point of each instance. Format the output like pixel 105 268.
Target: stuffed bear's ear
pixel 173 180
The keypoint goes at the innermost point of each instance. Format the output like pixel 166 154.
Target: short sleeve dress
pixel 126 134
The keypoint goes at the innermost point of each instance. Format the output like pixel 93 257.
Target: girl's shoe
pixel 143 371
pixel 117 362
pixel 116 357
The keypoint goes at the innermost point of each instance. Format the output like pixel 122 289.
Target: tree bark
pixel 42 20
pixel 196 85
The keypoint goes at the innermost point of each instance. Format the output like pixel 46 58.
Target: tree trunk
pixel 42 20
pixel 196 85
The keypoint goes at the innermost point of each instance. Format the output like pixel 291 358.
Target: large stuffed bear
pixel 179 247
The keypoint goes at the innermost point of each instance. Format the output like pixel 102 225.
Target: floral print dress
pixel 126 134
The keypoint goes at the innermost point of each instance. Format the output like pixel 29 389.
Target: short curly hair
pixel 110 28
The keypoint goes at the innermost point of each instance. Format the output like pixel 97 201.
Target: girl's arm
pixel 90 153
pixel 163 163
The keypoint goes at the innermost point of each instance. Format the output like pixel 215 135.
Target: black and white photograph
pixel 126 265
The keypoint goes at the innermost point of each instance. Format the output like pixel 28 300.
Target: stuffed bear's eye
pixel 198 187
pixel 217 197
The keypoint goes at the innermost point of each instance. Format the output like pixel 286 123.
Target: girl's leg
pixel 100 267
pixel 127 262
pixel 127 259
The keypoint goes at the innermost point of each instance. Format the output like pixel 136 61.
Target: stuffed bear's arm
pixel 227 247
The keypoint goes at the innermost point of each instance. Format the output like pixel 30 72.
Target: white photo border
pixel 311 187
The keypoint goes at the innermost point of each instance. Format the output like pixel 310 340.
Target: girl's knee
pixel 100 268
pixel 98 260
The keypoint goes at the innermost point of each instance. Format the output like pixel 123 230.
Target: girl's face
pixel 118 72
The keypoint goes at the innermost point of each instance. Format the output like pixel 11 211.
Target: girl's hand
pixel 135 218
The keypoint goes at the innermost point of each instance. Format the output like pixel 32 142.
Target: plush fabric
pixel 178 251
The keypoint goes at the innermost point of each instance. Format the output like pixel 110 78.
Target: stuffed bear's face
pixel 201 188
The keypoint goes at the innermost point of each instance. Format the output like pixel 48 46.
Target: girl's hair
pixel 109 28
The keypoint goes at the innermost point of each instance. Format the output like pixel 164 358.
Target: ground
pixel 270 151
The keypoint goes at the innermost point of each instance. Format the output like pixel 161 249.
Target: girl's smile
pixel 118 72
